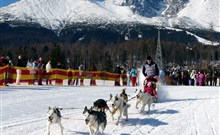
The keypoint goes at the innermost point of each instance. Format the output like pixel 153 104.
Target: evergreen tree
pixel 57 56
pixel 45 49
pixel 124 57
pixel 107 63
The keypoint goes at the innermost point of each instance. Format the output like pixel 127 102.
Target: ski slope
pixel 181 110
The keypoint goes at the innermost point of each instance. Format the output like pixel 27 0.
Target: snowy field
pixel 181 110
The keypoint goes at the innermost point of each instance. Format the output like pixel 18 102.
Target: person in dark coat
pixel 215 76
pixel 118 73
pixel 150 69
pixel 40 65
pixel 5 62
pixel 185 77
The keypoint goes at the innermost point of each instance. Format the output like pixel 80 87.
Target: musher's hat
pixel 148 57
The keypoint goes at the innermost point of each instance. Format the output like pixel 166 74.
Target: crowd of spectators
pixel 191 77
pixel 174 76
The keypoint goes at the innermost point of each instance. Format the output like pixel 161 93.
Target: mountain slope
pixel 205 12
pixel 56 14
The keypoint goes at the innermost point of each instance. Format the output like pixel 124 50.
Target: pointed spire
pixel 158 57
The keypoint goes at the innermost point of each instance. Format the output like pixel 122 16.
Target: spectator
pixel 18 71
pixel 185 77
pixel 59 65
pixel 123 76
pixel 81 69
pixel 118 73
pixel 5 62
pixel 215 76
pixel 208 77
pixel 30 66
pixel 48 73
pixel 40 65
pixel 9 75
pixel 92 80
pixel 10 63
pixel 70 76
pixel 128 78
pixel 193 77
pixel 176 75
pixel 75 80
pixel 133 74
pixel 201 79
pixel 179 77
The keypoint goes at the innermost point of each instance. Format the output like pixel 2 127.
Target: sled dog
pixel 100 105
pixel 144 99
pixel 54 117
pixel 119 105
pixel 94 120
pixel 124 95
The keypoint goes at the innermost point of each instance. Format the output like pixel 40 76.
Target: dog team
pixel 95 117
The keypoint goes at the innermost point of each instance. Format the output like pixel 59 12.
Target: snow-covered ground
pixel 181 110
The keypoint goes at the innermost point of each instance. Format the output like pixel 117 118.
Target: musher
pixel 150 71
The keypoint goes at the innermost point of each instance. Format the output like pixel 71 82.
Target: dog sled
pixel 151 86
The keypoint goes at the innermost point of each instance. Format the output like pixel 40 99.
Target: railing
pixel 8 74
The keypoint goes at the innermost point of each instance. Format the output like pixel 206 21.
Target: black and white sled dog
pixel 100 105
pixel 54 117
pixel 95 120
pixel 144 99
pixel 120 106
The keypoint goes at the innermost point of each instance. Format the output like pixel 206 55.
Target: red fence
pixel 8 74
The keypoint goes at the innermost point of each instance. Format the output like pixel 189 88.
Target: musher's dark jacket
pixel 150 69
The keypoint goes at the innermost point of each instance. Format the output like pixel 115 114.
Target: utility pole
pixel 158 57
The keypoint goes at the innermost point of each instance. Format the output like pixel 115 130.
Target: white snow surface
pixel 180 110
pixel 56 14
pixel 200 39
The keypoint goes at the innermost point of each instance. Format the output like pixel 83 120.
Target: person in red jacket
pixel 201 79
pixel 150 86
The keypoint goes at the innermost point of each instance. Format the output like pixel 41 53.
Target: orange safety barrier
pixel 31 75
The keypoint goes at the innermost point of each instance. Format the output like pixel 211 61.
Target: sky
pixel 180 110
pixel 6 2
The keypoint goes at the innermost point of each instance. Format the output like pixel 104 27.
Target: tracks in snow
pixel 161 115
